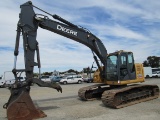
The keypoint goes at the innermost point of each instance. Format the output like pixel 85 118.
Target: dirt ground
pixel 67 105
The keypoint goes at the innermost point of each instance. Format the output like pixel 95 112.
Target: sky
pixel 131 25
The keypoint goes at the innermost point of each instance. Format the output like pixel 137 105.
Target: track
pixel 129 95
pixel 121 96
pixel 92 92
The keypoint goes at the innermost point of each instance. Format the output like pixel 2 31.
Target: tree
pixel 35 74
pixel 152 61
pixel 69 71
pixel 86 70
pixel 47 73
pixel 145 63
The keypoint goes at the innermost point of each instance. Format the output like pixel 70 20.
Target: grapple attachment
pixel 21 107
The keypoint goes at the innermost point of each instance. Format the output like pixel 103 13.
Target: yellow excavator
pixel 116 89
pixel 115 77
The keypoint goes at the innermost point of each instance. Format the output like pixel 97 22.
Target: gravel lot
pixel 67 105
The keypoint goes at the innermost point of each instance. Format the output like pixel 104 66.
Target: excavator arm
pixel 77 34
pixel 20 105
pixel 74 32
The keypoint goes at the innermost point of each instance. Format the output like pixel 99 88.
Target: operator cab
pixel 120 66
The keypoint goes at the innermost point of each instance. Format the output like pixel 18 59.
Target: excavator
pixel 114 78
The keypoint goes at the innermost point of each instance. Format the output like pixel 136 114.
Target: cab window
pixel 131 62
pixel 112 67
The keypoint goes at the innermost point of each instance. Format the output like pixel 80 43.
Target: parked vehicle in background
pixel 21 78
pixel 9 82
pixel 147 72
pixel 2 82
pixel 46 78
pixel 151 72
pixel 156 74
pixel 56 78
pixel 8 78
pixel 88 80
pixel 72 79
pixel 154 70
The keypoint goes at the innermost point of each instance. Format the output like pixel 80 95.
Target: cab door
pixel 126 66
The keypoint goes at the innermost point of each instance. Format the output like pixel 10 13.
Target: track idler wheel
pixel 21 107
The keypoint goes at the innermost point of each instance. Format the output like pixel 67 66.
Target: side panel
pixel 139 72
